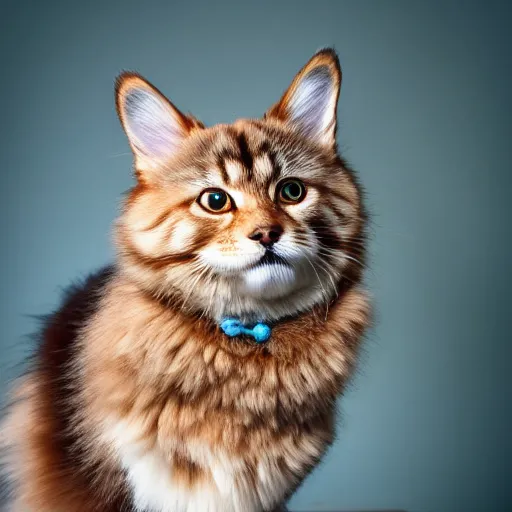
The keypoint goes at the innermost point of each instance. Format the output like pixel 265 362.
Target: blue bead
pixel 261 332
pixel 231 327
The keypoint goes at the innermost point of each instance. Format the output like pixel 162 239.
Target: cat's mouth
pixel 236 264
pixel 270 258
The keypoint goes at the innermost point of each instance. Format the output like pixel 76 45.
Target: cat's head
pixel 258 219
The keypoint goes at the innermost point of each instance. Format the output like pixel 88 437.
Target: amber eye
pixel 215 201
pixel 292 191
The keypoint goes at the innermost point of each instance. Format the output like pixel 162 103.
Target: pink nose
pixel 267 236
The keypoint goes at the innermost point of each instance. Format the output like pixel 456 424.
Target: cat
pixel 138 399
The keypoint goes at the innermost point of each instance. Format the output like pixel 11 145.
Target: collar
pixel 233 327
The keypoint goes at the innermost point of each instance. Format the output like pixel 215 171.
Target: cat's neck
pixel 248 309
pixel 135 342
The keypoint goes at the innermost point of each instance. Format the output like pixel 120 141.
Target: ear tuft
pixel 310 102
pixel 154 126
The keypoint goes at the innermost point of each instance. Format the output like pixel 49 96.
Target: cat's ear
pixel 309 104
pixel 154 126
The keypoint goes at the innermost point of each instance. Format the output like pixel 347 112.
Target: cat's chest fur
pixel 200 422
pixel 225 483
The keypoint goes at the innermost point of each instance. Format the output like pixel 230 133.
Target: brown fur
pixel 147 352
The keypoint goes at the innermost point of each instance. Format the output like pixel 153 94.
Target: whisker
pixel 340 254
pixel 354 260
pixel 320 283
pixel 329 272
pixel 361 243
pixel 117 155
pixel 192 287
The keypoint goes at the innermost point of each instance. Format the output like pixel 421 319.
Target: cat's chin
pixel 269 281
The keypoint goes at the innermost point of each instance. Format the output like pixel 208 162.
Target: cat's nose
pixel 268 235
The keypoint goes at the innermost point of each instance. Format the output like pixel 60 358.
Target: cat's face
pixel 258 219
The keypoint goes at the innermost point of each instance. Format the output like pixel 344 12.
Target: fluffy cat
pixel 136 399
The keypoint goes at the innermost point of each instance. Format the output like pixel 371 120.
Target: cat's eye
pixel 215 201
pixel 292 191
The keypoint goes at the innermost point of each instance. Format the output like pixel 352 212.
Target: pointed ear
pixel 310 102
pixel 154 126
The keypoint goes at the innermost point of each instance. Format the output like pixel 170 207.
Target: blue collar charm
pixel 233 327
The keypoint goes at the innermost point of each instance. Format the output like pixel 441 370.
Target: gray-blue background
pixel 425 117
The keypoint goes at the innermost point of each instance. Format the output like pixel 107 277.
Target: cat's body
pixel 137 400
